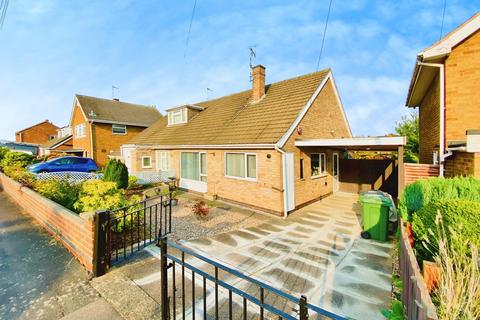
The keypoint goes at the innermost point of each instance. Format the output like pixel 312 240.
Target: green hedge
pixel 420 193
pixel 460 217
pixel 16 159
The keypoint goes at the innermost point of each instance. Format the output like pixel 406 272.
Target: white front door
pixel 335 172
pixel 127 157
pixel 289 171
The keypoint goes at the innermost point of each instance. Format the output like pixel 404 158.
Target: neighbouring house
pixel 445 88
pixel 275 147
pixel 37 134
pixel 60 145
pixel 100 126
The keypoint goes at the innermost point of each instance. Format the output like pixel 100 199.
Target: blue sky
pixel 50 50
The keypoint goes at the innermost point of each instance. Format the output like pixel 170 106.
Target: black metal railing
pixel 121 232
pixel 199 286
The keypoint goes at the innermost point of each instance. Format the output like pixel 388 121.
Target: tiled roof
pixel 233 119
pixel 56 141
pixel 105 110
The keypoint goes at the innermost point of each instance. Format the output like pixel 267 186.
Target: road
pixel 39 278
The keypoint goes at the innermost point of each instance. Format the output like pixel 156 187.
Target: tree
pixel 408 127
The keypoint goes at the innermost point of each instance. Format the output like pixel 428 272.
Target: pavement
pixel 39 278
pixel 316 252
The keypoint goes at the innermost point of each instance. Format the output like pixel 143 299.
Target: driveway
pixel 39 278
pixel 316 252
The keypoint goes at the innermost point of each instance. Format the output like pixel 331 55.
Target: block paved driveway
pixel 316 252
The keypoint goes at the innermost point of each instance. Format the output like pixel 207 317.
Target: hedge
pixel 460 217
pixel 420 193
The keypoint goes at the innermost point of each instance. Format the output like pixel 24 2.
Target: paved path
pixel 39 279
pixel 316 252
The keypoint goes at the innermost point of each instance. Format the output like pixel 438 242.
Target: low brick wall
pixel 415 171
pixel 76 232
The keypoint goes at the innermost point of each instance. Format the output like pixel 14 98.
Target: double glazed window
pixel 177 116
pixel 119 129
pixel 146 162
pixel 193 166
pixel 318 164
pixel 241 165
pixel 80 130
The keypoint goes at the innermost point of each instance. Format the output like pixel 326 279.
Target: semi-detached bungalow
pixel 245 147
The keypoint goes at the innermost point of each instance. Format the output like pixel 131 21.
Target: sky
pixel 51 50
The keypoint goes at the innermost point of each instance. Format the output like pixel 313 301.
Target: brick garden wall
pixel 76 232
pixel 414 171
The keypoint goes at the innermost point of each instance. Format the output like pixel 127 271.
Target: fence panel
pixel 153 177
pixel 416 299
pixel 70 176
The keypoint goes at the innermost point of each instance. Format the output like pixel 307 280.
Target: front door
pixel 335 172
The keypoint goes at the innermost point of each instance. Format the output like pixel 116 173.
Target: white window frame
pixel 119 126
pixel 183 113
pixel 200 174
pixel 321 156
pixel 143 163
pixel 80 130
pixel 163 160
pixel 246 178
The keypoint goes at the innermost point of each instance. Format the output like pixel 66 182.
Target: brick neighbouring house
pixel 241 147
pixel 60 144
pixel 445 88
pixel 37 134
pixel 100 126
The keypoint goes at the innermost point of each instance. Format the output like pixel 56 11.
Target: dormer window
pixel 177 116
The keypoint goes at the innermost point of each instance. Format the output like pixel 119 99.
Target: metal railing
pixel 224 293
pixel 121 232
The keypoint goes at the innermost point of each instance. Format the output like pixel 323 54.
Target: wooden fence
pixel 416 299
pixel 414 171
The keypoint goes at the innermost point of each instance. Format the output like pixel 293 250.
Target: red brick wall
pixel 37 134
pixel 414 171
pixel 76 232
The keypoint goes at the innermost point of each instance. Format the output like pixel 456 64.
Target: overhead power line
pixel 190 28
pixel 443 18
pixel 3 11
pixel 324 33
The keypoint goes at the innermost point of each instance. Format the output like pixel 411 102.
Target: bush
pixel 461 216
pixel 16 159
pixel 421 192
pixel 200 210
pixel 132 182
pixel 21 175
pixel 116 171
pixel 3 152
pixel 99 195
pixel 60 191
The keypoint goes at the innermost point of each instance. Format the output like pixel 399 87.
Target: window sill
pixel 242 179
pixel 119 134
pixel 319 176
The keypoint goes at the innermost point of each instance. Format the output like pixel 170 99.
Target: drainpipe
pixel 284 182
pixel 91 139
pixel 442 154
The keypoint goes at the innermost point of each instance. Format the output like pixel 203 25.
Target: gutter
pixel 442 153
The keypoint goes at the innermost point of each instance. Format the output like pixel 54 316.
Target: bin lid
pixel 375 199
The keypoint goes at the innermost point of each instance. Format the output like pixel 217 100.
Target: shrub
pixel 3 152
pixel 99 195
pixel 200 210
pixel 60 191
pixel 458 292
pixel 21 175
pixel 16 159
pixel 116 171
pixel 421 192
pixel 461 216
pixel 132 182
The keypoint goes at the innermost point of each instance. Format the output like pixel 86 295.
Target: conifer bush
pixel 116 171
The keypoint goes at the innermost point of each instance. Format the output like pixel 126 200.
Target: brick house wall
pixel 104 141
pixel 463 164
pixel 81 143
pixel 462 69
pixel 37 134
pixel 429 123
pixel 324 119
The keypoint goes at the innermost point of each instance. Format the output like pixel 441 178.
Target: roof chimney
pixel 116 99
pixel 258 87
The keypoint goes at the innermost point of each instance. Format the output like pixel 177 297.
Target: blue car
pixel 76 164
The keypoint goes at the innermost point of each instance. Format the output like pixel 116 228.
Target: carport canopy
pixel 395 144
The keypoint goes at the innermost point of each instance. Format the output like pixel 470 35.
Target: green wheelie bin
pixel 375 213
